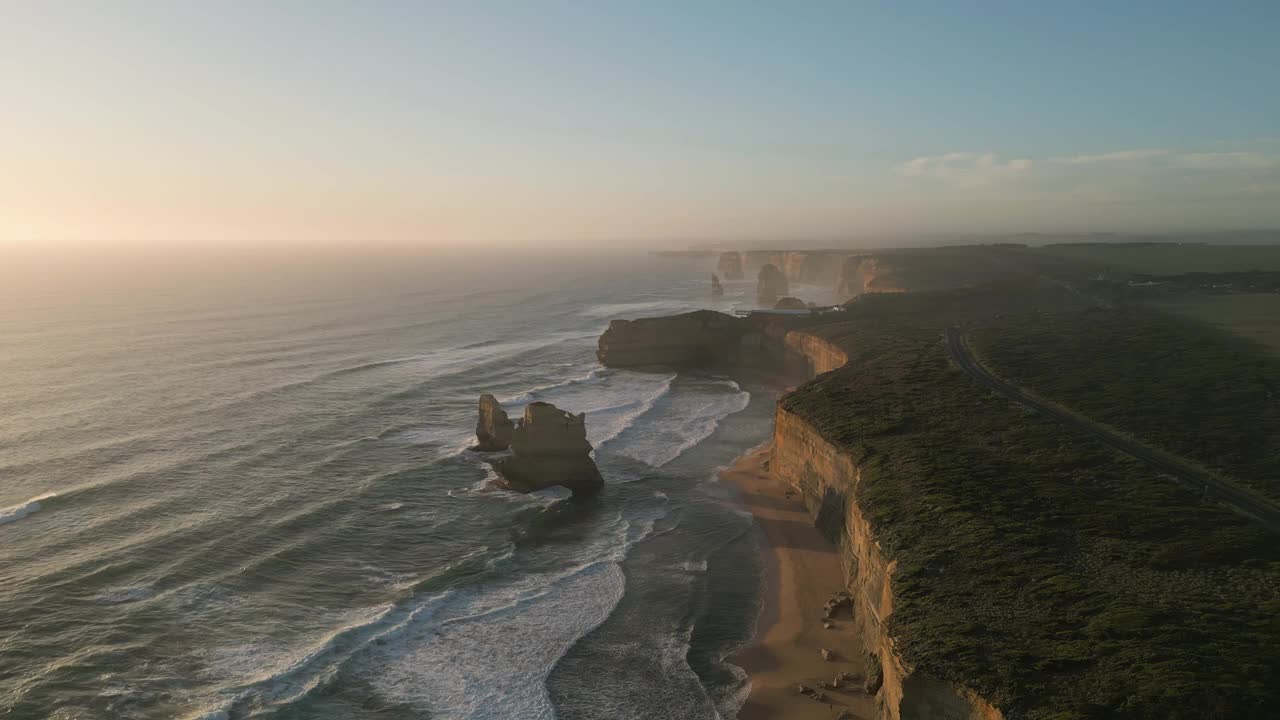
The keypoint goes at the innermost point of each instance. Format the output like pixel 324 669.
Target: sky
pixel 596 123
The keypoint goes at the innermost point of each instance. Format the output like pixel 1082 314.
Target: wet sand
pixel 803 572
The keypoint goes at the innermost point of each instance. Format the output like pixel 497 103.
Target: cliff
pixel 828 480
pixel 1000 564
pixel 702 338
pixel 861 274
pixel 730 265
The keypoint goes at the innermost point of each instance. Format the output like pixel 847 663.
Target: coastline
pixel 802 572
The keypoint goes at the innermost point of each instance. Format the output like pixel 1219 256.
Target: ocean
pixel 239 487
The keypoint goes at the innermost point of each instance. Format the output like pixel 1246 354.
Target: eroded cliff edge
pixel 1004 565
pixel 827 478
pixel 828 481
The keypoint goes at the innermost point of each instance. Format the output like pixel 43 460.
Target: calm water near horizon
pixel 243 490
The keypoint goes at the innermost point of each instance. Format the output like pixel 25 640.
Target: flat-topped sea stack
pixel 548 446
pixel 700 338
pixel 707 340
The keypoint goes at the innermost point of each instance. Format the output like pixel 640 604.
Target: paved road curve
pixel 1182 473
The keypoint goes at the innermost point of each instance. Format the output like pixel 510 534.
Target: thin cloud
pixel 1227 161
pixel 1113 157
pixel 964 169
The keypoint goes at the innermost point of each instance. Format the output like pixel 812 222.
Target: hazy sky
pixel 537 121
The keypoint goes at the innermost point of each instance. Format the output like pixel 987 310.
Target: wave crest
pixel 17 512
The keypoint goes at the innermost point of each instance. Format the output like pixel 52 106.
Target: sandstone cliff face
pixel 753 260
pixel 820 354
pixel 730 265
pixel 828 480
pixel 770 285
pixel 494 428
pixel 861 274
pixel 851 274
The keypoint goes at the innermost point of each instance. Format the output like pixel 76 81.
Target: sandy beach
pixel 803 572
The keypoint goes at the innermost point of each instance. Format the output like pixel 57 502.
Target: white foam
pixel 691 414
pixel 532 393
pixel 219 713
pixel 694 566
pixel 612 400
pixel 17 512
pixel 126 594
pixel 486 651
pixel 611 310
pixel 272 673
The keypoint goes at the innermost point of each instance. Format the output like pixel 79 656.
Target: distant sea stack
pixel 717 290
pixel 730 266
pixel 548 447
pixel 770 285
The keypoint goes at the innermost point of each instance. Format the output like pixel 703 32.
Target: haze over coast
pixel 661 361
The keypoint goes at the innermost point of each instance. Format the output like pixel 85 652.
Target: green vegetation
pixel 1251 316
pixel 1161 258
pixel 1184 386
pixel 1060 579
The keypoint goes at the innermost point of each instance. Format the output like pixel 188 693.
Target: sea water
pixel 241 489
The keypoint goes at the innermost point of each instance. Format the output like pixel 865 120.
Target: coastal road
pixel 1182 472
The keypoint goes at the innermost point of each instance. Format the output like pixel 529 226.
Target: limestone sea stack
pixel 717 290
pixel 730 265
pixel 771 284
pixel 548 447
pixel 494 428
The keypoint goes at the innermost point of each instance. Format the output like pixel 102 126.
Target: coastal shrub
pixel 1184 386
pixel 1051 574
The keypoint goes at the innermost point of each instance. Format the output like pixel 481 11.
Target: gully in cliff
pixel 548 447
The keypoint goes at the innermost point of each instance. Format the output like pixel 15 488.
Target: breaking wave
pixel 17 512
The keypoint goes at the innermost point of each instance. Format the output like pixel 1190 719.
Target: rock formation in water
pixel 695 339
pixel 549 447
pixel 494 428
pixel 770 285
pixel 790 303
pixel 717 290
pixel 730 265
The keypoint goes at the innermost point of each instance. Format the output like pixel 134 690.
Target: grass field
pixel 1061 580
pixel 1163 259
pixel 1252 316
pixel 1178 384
